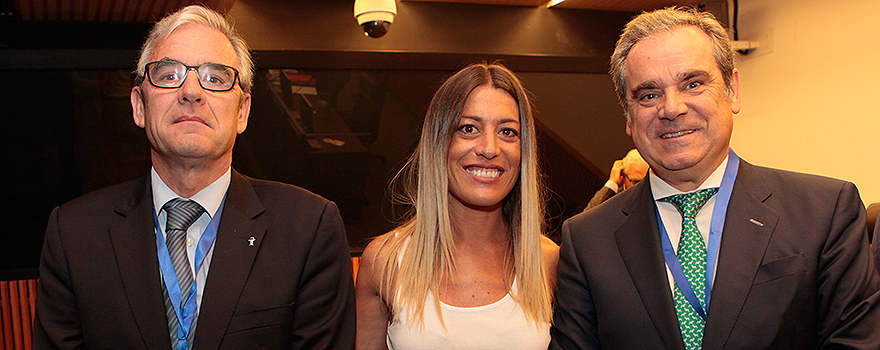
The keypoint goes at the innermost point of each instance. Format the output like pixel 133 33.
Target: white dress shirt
pixel 612 186
pixel 672 218
pixel 209 198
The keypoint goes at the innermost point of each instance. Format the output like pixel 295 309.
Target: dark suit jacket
pixel 100 284
pixel 602 195
pixel 800 277
pixel 874 232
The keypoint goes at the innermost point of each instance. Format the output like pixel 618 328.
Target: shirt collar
pixel 661 189
pixel 209 197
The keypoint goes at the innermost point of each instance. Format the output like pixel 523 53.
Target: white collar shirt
pixel 209 198
pixel 672 218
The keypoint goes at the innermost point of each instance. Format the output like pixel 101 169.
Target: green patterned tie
pixel 692 257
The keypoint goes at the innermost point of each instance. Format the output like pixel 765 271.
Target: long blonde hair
pixel 421 251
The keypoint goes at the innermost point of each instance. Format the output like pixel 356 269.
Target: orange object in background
pixel 17 300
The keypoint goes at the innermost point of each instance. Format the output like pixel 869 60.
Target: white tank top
pixel 499 325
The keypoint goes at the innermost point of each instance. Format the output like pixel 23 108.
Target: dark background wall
pixel 65 98
pixel 323 34
pixel 432 35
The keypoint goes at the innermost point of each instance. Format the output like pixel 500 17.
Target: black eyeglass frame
pixel 634 181
pixel 186 74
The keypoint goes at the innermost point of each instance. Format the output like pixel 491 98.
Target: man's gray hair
pixel 664 20
pixel 197 14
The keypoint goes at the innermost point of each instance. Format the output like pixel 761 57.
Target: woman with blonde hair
pixel 470 268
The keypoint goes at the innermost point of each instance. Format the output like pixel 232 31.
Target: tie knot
pixel 689 204
pixel 181 213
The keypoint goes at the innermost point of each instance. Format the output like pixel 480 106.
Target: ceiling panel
pixel 492 2
pixel 613 5
pixel 145 11
pixel 141 11
pixel 623 5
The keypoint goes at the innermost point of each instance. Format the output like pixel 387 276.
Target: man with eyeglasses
pixel 195 255
pixel 625 173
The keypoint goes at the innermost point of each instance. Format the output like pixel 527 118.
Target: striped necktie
pixel 181 215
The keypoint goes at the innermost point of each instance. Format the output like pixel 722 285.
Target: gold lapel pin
pixel 251 241
pixel 756 222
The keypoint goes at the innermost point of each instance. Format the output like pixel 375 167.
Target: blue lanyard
pixel 186 313
pixel 719 212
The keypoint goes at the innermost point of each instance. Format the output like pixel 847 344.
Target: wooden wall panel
pixel 17 300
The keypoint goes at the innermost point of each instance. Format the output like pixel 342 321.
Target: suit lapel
pixel 133 239
pixel 638 240
pixel 231 262
pixel 743 245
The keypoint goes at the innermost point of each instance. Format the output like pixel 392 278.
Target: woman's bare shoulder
pixel 549 249
pixel 550 253
pixel 379 248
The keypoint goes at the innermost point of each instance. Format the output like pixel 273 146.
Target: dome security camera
pixel 375 16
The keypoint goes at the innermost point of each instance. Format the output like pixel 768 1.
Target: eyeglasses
pixel 632 180
pixel 169 74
